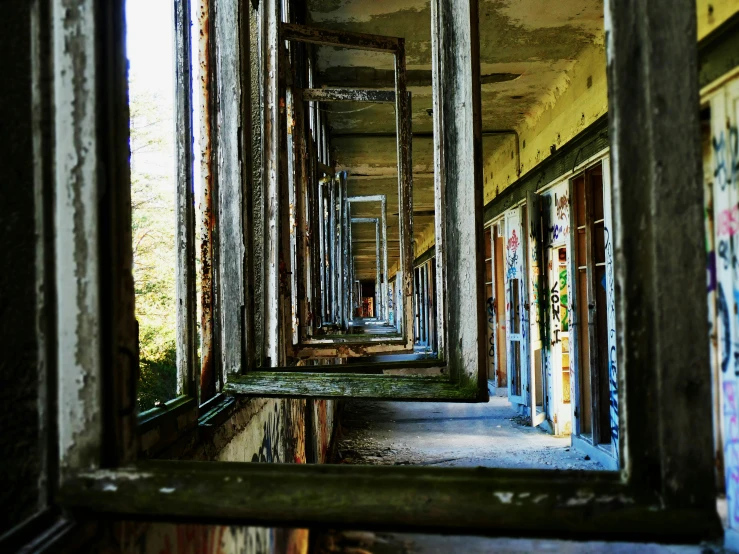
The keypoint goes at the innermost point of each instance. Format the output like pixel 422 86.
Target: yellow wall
pixel 712 13
pixel 575 102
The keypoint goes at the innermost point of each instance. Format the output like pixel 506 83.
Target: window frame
pixel 666 489
pixel 349 345
pixel 161 425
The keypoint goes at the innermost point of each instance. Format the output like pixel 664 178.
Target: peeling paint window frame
pixel 665 492
pixel 349 345
pixel 161 425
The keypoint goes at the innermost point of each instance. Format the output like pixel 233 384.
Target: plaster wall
pixel 262 430
pixel 577 100
pixel 712 13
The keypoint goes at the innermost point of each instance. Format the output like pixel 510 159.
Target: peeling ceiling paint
pixel 528 51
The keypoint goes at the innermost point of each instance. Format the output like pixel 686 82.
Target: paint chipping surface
pixel 76 232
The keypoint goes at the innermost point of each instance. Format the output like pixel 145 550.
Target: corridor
pixel 452 435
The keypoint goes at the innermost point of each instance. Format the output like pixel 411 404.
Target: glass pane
pixel 151 89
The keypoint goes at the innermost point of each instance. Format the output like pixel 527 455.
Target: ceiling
pixel 526 47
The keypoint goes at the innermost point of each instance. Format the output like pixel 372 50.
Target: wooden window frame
pixel 351 345
pixel 382 199
pixel 161 425
pixel 666 489
pixel 380 258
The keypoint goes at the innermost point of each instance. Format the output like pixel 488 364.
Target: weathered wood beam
pixel 485 501
pixel 664 381
pixel 331 37
pixel 349 95
pixel 323 385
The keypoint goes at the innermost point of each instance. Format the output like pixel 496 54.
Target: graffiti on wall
pixel 555 300
pixel 612 361
pixel 269 450
pixel 731 448
pixel 560 229
pixel 512 255
pixel 490 311
pixel 726 155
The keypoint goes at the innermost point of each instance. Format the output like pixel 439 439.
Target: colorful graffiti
pixel 731 449
pixel 554 300
pixel 512 256
pixel 562 206
pixel 727 158
pixel 269 450
pixel 612 362
pixel 728 222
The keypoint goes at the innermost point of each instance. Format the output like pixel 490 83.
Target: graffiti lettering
pixel 727 253
pixel 563 301
pixel 269 451
pixel 727 158
pixel 562 204
pixel 491 327
pixel 728 221
pixel 559 231
pixel 612 366
pixel 731 447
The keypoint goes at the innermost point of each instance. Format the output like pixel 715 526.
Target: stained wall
pixel 262 430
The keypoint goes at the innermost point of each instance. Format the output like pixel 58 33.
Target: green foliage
pixel 153 227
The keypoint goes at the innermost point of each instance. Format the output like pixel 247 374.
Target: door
pixel 725 154
pixel 516 310
pixel 537 302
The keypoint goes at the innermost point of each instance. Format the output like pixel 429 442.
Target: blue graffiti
pixel 613 364
pixel 723 318
pixel 727 158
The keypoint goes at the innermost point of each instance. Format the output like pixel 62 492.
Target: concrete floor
pixel 444 434
pixel 453 435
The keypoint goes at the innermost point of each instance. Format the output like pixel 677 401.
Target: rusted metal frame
pixel 306 292
pixel 405 192
pixel 375 96
pixel 378 269
pixel 255 326
pixel 314 228
pixel 458 87
pixel 340 251
pixel 271 133
pixel 322 253
pixel 332 228
pixel 234 185
pixel 439 181
pixel 206 213
pixel 382 199
pixel 424 290
pixel 185 209
pixel 344 39
pixel 346 251
pixel 397 46
pixel 350 264
pixel 293 178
